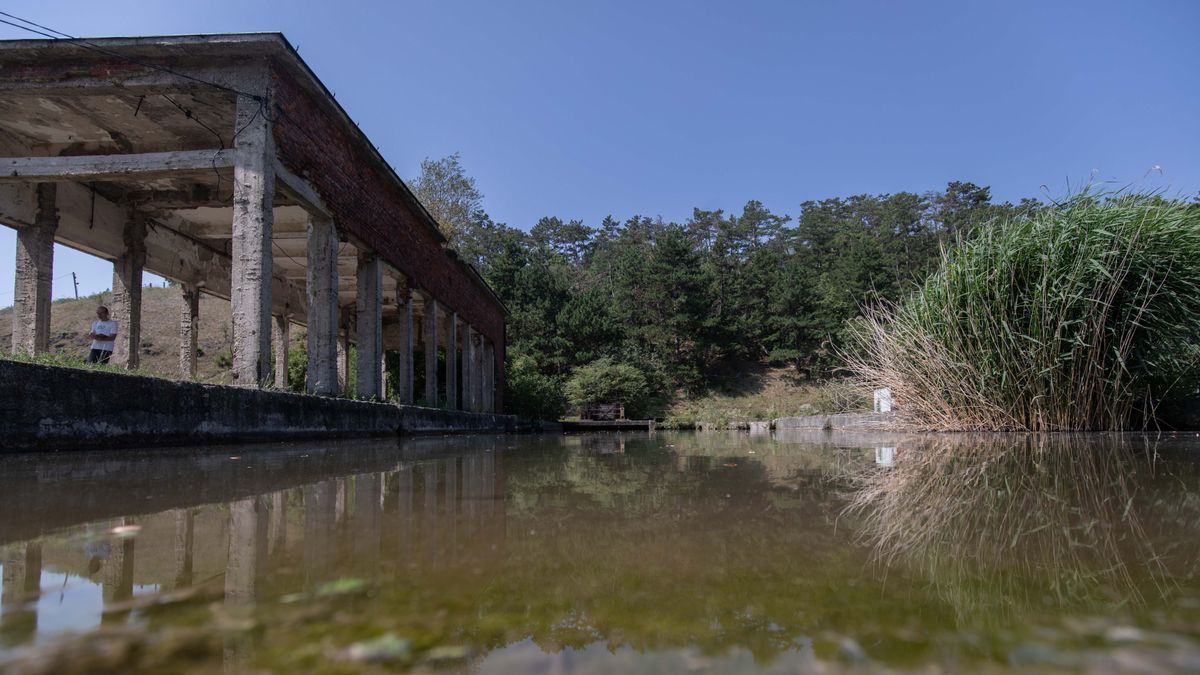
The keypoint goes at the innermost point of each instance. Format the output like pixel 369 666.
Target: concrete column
pixel 477 371
pixel 35 274
pixel 489 377
pixel 469 370
pixel 343 360
pixel 253 197
pixel 127 293
pixel 452 362
pixel 282 338
pixel 368 326
pixel 404 381
pixel 322 291
pixel 189 330
pixel 431 352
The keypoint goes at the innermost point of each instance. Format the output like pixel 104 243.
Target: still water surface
pixel 608 553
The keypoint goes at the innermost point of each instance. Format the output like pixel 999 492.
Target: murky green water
pixel 608 553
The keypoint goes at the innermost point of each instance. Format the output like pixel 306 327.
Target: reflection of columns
pixel 278 525
pixel 282 339
pixel 368 326
pixel 404 381
pixel 452 362
pixel 189 330
pixel 322 290
pixel 318 531
pixel 468 366
pixel 367 525
pixel 127 293
pixel 431 352
pixel 21 586
pixel 451 528
pixel 185 536
pixel 247 550
pixel 253 197
pixel 118 569
pixel 429 526
pixel 404 510
pixel 35 274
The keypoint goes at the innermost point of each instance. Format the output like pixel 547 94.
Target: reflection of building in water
pixel 419 514
pixel 18 598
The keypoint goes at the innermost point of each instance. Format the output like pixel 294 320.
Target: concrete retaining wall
pixel 47 407
pixel 853 421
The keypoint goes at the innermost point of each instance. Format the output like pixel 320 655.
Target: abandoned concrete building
pixel 222 163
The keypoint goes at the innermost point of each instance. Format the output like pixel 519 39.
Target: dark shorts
pixel 99 356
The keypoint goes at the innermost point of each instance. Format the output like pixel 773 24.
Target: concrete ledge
pixel 839 421
pixel 48 407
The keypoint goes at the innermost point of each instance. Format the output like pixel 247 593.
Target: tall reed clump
pixel 1078 316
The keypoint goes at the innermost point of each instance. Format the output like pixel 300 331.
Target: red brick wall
pixel 366 202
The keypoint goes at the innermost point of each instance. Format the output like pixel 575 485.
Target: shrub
pixel 1076 317
pixel 604 381
pixel 529 393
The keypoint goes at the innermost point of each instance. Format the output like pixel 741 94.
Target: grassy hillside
pixel 70 321
pixel 754 391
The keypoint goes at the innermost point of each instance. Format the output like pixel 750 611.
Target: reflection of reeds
pixel 1068 319
pixel 998 522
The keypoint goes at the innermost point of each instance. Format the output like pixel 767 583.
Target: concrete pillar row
pixel 469 369
pixel 189 330
pixel 368 326
pixel 322 292
pixel 430 321
pixel 253 219
pixel 34 276
pixel 126 307
pixel 452 362
pixel 281 338
pixel 404 380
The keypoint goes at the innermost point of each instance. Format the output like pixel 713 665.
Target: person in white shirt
pixel 104 332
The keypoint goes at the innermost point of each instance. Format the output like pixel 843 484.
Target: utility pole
pixel 75 280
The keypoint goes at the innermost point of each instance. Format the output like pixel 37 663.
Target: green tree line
pixel 680 302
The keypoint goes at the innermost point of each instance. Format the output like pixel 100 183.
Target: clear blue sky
pixel 583 109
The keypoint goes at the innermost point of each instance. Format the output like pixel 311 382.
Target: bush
pixel 604 381
pixel 1076 317
pixel 529 393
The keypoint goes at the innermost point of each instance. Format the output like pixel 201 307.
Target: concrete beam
pixel 90 223
pixel 35 275
pixel 300 190
pixel 253 196
pixel 142 166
